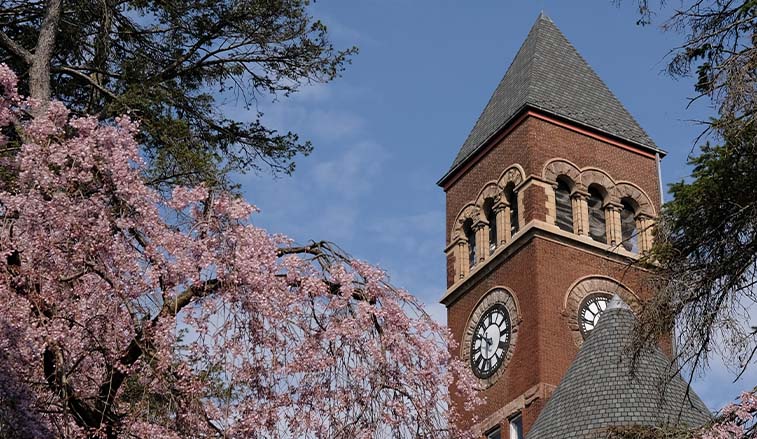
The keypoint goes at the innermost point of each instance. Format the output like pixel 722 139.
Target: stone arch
pixel 597 177
pixel 556 168
pixel 630 191
pixel 470 211
pixel 586 286
pixel 491 190
pixel 505 296
pixel 513 174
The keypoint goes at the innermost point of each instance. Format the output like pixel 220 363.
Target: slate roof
pixel 598 391
pixel 549 74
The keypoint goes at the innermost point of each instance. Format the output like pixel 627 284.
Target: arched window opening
pixel 564 219
pixel 628 227
pixel 512 200
pixel 597 224
pixel 491 218
pixel 470 235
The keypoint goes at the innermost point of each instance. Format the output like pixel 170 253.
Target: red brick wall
pixel 540 274
pixel 534 203
pixel 451 269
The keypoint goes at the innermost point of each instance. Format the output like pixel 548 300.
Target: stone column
pixel 644 226
pixel 507 234
pixel 501 216
pixel 462 260
pixel 482 241
pixel 580 212
pixel 612 218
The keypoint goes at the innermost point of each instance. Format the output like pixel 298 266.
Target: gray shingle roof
pixel 549 74
pixel 598 391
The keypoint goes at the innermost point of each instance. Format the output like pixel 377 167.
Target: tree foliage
pixel 170 65
pixel 718 50
pixel 125 313
pixel 705 252
pixel 706 248
pixel 706 243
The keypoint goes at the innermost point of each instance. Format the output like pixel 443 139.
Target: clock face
pixel 591 309
pixel 490 341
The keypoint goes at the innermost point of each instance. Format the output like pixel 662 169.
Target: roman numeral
pixel 502 344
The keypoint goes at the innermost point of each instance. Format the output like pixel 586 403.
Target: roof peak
pixel 543 16
pixel 617 303
pixel 550 75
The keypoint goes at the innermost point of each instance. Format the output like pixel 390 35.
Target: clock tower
pixel 550 201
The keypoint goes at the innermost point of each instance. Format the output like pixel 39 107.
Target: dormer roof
pixel 601 390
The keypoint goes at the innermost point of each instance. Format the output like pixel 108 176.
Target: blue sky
pixel 387 130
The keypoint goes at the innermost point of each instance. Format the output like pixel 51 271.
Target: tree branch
pixel 15 48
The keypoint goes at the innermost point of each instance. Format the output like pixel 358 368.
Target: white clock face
pixel 591 309
pixel 490 341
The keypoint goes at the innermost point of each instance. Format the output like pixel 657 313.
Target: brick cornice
pixel 529 111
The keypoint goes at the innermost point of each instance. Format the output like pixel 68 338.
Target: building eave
pixel 532 110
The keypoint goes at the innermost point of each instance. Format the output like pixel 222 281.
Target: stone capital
pixel 579 193
pixel 480 224
pixel 500 206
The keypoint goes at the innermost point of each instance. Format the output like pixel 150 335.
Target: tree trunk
pixel 39 71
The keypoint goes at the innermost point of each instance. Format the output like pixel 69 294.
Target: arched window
pixel 564 219
pixel 597 224
pixel 491 218
pixel 470 235
pixel 512 200
pixel 628 227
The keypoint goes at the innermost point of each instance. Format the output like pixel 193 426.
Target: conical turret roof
pixel 548 74
pixel 599 390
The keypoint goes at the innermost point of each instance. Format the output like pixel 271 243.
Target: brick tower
pixel 549 202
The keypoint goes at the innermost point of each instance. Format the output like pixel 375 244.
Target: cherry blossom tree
pixel 128 314
pixel 735 420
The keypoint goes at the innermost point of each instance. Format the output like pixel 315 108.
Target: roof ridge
pixel 593 71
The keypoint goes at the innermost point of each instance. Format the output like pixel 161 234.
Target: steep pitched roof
pixel 598 391
pixel 550 75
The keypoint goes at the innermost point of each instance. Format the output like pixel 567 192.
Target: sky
pixel 389 128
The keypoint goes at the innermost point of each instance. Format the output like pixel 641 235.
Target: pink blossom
pixel 115 320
